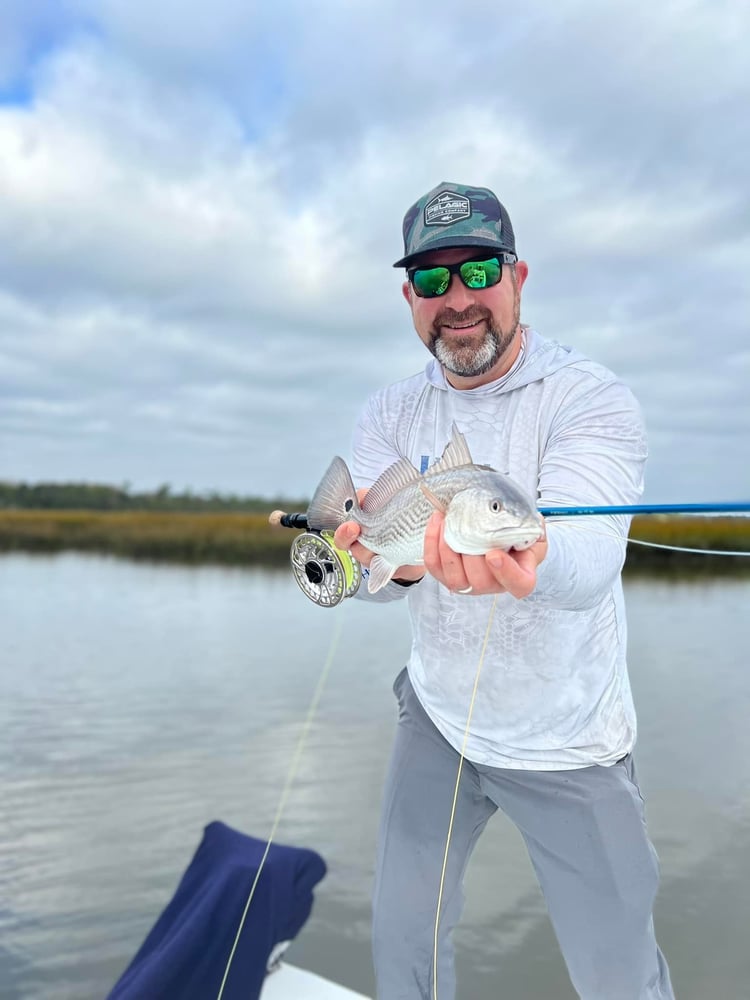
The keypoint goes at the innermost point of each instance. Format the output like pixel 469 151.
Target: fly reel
pixel 323 572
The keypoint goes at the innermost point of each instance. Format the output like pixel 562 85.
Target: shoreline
pixel 247 539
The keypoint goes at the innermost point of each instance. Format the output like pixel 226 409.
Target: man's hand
pixel 497 572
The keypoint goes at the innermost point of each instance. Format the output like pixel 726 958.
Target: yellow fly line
pixel 455 799
pixel 285 792
pixel 345 558
pixel 293 772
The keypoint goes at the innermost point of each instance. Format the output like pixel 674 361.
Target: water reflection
pixel 138 702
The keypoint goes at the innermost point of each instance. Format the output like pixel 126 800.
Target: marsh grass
pixel 248 539
pixel 730 534
pixel 233 538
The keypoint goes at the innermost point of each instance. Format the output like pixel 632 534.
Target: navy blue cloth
pixel 186 951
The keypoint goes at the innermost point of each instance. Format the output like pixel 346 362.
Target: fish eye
pixel 495 506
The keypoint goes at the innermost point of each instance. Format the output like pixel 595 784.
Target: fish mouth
pixel 517 537
pixel 520 537
pixel 525 542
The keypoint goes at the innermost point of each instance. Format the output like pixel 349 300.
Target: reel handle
pixel 280 517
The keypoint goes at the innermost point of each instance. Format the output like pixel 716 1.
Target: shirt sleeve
pixel 594 456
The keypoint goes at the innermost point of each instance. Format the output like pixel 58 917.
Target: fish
pixel 484 509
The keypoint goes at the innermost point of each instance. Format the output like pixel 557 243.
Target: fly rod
pixel 741 507
pixel 327 575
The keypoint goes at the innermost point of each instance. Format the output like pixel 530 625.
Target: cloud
pixel 203 208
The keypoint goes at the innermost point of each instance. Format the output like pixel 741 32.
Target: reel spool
pixel 325 574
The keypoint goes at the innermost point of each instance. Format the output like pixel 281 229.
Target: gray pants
pixel 586 836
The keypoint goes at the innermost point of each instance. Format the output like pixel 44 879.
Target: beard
pixel 474 354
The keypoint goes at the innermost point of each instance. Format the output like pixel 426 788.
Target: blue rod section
pixel 659 508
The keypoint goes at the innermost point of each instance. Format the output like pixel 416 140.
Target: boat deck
pixel 291 983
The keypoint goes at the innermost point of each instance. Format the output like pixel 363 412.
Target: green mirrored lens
pixel 480 273
pixel 429 282
pixel 432 281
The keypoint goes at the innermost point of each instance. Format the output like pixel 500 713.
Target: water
pixel 140 702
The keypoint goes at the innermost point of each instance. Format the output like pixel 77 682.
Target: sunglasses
pixel 431 282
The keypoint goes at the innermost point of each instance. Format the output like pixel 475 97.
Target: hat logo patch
pixel 447 208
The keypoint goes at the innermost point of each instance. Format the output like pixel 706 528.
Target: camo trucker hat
pixel 456 215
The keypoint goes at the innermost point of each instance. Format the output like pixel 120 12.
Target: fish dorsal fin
pixel 395 477
pixel 456 453
pixel 402 473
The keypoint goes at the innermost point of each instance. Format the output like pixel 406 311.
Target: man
pixel 553 723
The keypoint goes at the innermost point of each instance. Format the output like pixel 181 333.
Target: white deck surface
pixel 290 983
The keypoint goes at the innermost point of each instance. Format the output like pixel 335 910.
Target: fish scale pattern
pixel 554 691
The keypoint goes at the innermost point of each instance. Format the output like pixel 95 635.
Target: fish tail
pixel 335 499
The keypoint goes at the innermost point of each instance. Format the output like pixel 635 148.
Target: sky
pixel 200 205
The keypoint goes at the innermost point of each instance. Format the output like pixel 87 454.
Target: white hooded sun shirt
pixel 554 690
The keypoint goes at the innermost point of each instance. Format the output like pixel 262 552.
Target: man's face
pixel 473 332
